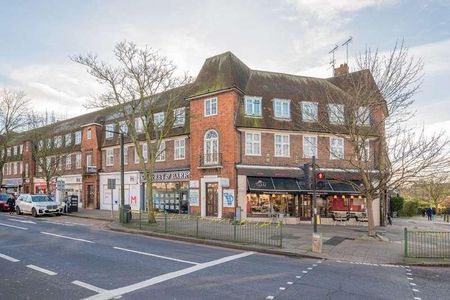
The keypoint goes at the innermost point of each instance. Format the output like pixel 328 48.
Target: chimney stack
pixel 341 70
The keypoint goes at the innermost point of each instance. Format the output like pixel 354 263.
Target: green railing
pixel 268 234
pixel 426 244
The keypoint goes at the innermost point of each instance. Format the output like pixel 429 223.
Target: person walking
pixel 12 204
pixel 429 213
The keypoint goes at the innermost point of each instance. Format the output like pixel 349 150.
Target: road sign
pixel 60 185
pixel 142 178
pixel 111 184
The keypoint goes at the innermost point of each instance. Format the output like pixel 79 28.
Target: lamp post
pixel 122 175
pixel 314 193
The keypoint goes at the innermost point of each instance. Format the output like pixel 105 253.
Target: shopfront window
pixel 272 205
pixel 171 197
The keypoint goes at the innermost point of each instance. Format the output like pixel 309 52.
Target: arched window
pixel 211 149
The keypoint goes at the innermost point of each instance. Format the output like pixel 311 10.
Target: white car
pixel 37 205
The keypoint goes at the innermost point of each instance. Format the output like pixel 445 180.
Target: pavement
pixel 340 242
pixel 69 258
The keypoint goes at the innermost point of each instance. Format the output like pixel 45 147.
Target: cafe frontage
pixel 281 194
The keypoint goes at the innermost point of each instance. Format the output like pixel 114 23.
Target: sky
pixel 37 38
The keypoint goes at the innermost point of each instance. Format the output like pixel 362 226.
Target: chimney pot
pixel 341 70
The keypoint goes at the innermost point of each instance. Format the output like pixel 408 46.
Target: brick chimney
pixel 341 70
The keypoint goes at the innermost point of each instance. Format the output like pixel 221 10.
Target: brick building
pixel 242 142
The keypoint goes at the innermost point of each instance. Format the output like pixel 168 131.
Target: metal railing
pixel 426 244
pixel 268 234
pixel 210 159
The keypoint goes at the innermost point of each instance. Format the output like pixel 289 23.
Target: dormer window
pixel 363 116
pixel 309 111
pixel 282 108
pixel 252 106
pixel 109 134
pixel 158 119
pixel 179 116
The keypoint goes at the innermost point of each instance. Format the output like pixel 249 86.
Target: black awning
pixel 343 187
pixel 260 184
pixel 286 184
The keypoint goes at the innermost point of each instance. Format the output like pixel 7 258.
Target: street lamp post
pixel 314 193
pixel 122 175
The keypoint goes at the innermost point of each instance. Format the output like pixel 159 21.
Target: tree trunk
pixel 47 184
pixel 370 218
pixel 149 196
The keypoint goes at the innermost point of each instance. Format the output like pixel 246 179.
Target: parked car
pixel 4 202
pixel 37 205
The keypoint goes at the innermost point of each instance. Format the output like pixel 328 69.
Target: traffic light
pixel 307 171
pixel 320 176
pixel 320 180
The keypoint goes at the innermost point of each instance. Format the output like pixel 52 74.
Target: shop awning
pixel 260 184
pixel 343 187
pixel 286 184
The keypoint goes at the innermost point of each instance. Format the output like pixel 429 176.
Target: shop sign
pixel 12 181
pixel 194 184
pixel 193 197
pixel 171 176
pixel 228 198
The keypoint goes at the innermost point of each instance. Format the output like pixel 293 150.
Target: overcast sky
pixel 291 36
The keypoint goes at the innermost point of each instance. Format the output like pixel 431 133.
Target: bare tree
pixel 372 115
pixel 145 89
pixel 48 150
pixel 14 106
pixel 435 189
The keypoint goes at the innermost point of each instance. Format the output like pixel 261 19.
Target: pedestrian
pixel 12 204
pixel 429 213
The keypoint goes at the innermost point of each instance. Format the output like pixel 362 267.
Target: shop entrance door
pixel 212 199
pixel 90 196
pixel 306 207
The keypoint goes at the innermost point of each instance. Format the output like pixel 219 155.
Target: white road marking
pixel 8 258
pixel 67 237
pixel 282 288
pixel 270 297
pixel 298 277
pixel 409 274
pixel 45 271
pixel 410 278
pixel 158 279
pixel 23 221
pixel 314 265
pixel 158 256
pixel 12 226
pixel 417 298
pixel 304 272
pixel 289 282
pixel 309 268
pixel 412 283
pixel 89 286
pixel 58 223
pixel 415 290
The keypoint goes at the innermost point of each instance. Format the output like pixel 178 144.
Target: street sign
pixel 111 184
pixel 60 185
pixel 142 178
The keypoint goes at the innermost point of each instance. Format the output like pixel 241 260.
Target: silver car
pixel 37 205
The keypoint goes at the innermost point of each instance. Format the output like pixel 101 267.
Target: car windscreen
pixel 4 197
pixel 40 198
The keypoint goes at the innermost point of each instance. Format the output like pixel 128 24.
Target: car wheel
pixel 18 210
pixel 34 212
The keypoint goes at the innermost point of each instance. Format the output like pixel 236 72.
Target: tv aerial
pixel 348 41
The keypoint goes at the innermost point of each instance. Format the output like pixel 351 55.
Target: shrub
pixel 397 203
pixel 409 209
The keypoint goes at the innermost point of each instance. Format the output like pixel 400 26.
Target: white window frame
pixel 363 116
pixel 78 161
pixel 211 157
pixel 305 137
pixel 161 153
pixel 139 125
pixel 283 143
pixel 109 157
pixel 211 107
pixel 337 148
pixel 88 159
pixel 253 106
pixel 252 145
pixel 179 117
pixel 159 119
pixel 307 115
pixel 336 113
pixel 20 149
pixel 58 141
pixel 123 127
pixel 89 133
pixel 108 134
pixel 78 137
pixel 68 139
pixel 68 162
pixel 282 114
pixel 179 146
pixel 125 155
